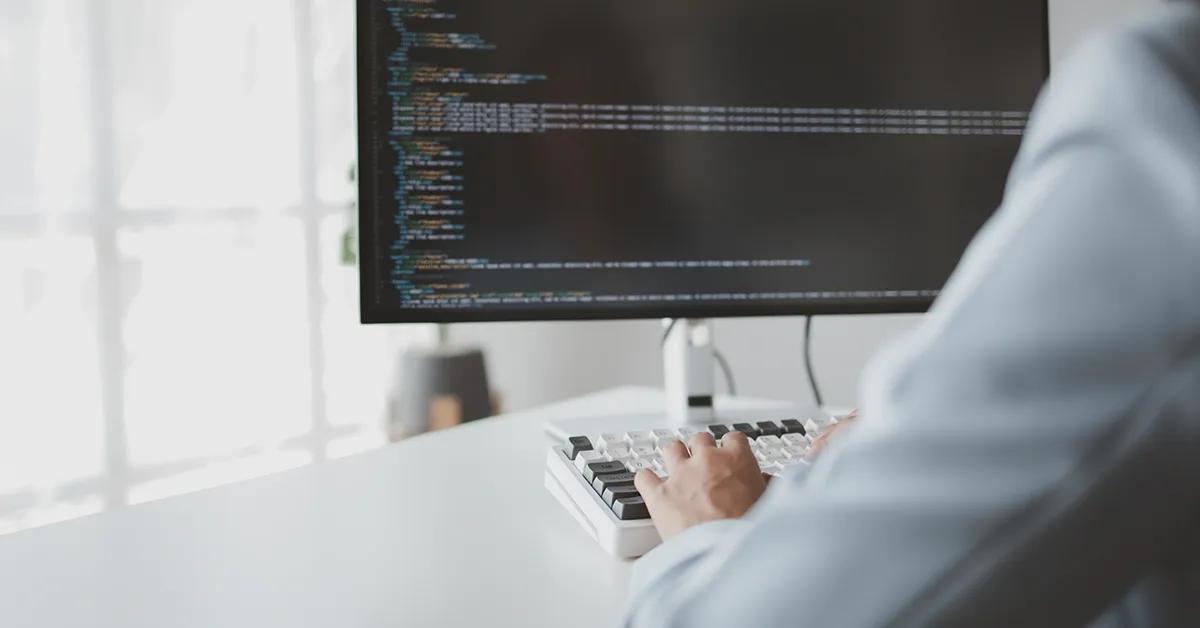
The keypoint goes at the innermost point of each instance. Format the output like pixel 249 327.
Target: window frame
pixel 103 223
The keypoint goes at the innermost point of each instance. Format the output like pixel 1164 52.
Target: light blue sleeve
pixel 1031 450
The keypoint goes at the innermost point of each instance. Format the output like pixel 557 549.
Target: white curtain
pixel 174 308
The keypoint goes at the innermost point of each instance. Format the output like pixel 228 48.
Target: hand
pixel 833 433
pixel 707 484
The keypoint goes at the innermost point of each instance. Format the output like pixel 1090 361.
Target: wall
pixel 533 363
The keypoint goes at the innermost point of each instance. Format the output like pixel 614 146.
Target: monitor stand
pixel 689 395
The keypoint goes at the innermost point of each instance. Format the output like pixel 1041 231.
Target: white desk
pixel 448 529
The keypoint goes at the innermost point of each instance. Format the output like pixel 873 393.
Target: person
pixel 1030 455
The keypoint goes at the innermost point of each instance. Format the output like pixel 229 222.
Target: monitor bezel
pixel 373 313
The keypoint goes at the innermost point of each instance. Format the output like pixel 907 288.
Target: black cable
pixel 808 367
pixel 728 370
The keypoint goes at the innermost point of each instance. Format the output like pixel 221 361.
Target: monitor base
pixel 688 397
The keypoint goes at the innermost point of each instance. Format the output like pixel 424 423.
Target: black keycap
pixel 792 426
pixel 718 431
pixel 630 508
pixel 596 468
pixel 614 493
pixel 577 444
pixel 605 481
pixel 767 428
pixel 747 429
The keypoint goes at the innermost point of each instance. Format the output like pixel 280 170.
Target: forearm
pixel 1001 440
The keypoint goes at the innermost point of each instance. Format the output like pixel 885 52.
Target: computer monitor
pixel 596 159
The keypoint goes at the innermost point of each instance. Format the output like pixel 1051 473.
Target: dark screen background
pixel 869 212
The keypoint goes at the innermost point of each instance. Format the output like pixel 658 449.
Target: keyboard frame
pixel 623 539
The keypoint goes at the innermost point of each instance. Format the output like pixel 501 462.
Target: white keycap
pixel 812 427
pixel 687 432
pixel 660 434
pixel 643 451
pixel 795 439
pixel 587 457
pixel 639 435
pixel 793 462
pixel 611 439
pixel 657 461
pixel 772 469
pixel 661 472
pixel 793 451
pixel 617 451
pixel 762 457
pixel 625 460
pixel 637 444
pixel 769 442
pixel 664 439
pixel 637 465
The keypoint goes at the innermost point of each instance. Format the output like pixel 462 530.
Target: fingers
pixel 736 441
pixel 647 483
pixel 673 453
pixel 820 443
pixel 703 440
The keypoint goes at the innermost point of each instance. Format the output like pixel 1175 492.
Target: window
pixel 174 310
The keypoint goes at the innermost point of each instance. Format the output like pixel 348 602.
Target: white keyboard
pixel 592 476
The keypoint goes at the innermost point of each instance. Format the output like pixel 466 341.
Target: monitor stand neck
pixel 688 372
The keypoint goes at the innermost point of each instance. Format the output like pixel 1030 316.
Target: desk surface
pixel 446 529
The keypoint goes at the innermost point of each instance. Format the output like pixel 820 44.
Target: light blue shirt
pixel 1030 456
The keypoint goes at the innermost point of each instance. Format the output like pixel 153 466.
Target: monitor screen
pixel 579 159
